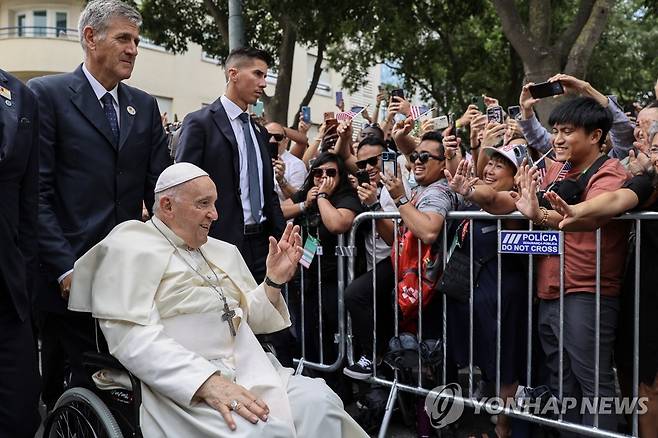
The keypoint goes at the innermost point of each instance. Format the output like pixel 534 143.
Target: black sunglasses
pixel 277 137
pixel 319 173
pixel 372 161
pixel 424 157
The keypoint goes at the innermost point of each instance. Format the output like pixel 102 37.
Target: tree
pixel 624 62
pixel 449 51
pixel 550 41
pixel 273 25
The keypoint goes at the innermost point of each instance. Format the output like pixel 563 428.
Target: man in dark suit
pixel 19 155
pixel 223 140
pixel 102 149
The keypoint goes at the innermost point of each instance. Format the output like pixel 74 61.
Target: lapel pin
pixel 5 93
pixel 8 102
pixel 131 110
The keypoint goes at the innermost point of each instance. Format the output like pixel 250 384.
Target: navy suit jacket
pixel 208 141
pixel 88 183
pixel 19 154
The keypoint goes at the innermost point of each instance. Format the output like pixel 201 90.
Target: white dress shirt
pixel 295 173
pixel 233 112
pixel 100 91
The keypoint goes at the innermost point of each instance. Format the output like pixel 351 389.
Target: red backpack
pixel 431 268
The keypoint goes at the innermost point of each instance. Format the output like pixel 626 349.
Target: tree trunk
pixel 581 51
pixel 317 71
pixel 276 107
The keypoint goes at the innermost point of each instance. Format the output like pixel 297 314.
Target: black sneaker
pixel 360 370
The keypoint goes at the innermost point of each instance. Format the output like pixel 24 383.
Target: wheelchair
pixel 97 413
pixel 100 413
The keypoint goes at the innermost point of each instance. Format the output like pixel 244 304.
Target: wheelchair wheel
pixel 80 413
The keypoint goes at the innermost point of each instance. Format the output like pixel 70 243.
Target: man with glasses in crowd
pixel 358 295
pixel 289 171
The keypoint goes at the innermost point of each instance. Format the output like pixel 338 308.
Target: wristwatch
pixel 400 202
pixel 270 282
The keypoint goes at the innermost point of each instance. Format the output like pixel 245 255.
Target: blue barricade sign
pixel 529 242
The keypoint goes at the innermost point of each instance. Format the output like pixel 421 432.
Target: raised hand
pixel 367 193
pixel 283 256
pixel 462 181
pixel 569 212
pixel 527 203
pixel 526 101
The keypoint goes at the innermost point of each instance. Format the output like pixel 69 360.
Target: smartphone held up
pixel 546 89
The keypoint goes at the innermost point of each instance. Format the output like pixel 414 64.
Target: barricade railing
pixel 303 361
pixel 469 400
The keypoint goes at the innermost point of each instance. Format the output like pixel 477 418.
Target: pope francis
pixel 179 310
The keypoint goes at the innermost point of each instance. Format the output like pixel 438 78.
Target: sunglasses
pixel 424 157
pixel 319 173
pixel 373 161
pixel 277 137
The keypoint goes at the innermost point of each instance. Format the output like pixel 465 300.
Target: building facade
pixel 40 37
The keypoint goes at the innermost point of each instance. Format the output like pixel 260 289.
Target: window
pixel 60 23
pixel 40 23
pixel 20 23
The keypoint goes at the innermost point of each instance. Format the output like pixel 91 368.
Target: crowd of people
pixel 157 254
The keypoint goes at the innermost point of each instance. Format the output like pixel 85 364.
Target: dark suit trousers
pixel 64 337
pixel 256 247
pixel 19 375
pixel 358 301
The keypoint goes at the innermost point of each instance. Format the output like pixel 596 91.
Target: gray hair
pixel 653 130
pixel 98 14
pixel 171 192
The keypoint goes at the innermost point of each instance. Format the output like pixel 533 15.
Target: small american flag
pixel 566 167
pixel 344 116
pixel 416 112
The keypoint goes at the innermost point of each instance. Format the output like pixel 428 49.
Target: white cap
pixel 177 174
pixel 515 153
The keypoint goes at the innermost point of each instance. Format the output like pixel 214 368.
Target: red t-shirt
pixel 580 247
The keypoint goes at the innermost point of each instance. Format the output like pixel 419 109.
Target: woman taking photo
pixel 324 207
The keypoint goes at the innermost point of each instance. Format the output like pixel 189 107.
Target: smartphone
pixel 452 122
pixel 479 102
pixel 514 112
pixel 306 114
pixel 440 123
pixel 546 89
pixel 329 115
pixel 398 92
pixel 330 123
pixel 356 109
pixel 389 163
pixel 258 108
pixel 339 97
pixel 495 114
pixel 362 177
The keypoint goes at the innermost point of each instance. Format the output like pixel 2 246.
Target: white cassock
pixel 163 323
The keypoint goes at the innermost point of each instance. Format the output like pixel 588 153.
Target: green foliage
pixel 625 61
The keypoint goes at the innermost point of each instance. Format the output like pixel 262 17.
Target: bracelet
pixel 271 283
pixel 544 218
pixel 322 195
pixel 302 206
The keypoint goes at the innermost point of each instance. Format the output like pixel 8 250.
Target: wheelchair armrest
pixel 101 360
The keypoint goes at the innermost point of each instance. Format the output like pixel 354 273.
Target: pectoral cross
pixel 227 315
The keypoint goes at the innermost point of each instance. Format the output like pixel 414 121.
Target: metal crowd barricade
pixel 469 400
pixel 303 361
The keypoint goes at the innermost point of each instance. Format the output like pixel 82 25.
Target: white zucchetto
pixel 177 174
